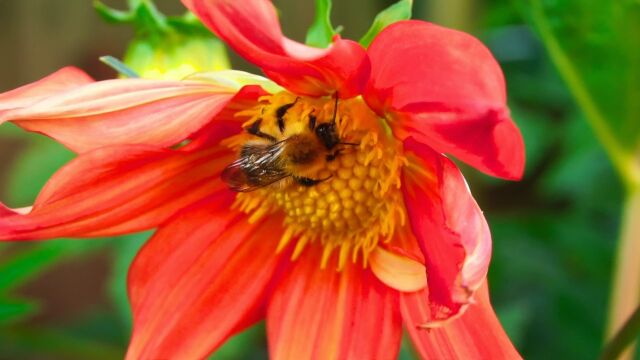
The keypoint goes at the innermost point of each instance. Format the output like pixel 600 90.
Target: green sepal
pixel 112 15
pixel 133 4
pixel 396 12
pixel 321 31
pixel 189 25
pixel 148 19
pixel 143 13
pixel 119 66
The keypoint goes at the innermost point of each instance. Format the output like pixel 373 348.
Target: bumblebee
pixel 266 160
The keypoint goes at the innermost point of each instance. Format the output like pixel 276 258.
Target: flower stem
pixel 623 338
pixel 625 295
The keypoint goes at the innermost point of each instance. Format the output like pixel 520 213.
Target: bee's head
pixel 327 135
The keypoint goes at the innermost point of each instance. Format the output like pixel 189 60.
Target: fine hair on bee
pixel 270 158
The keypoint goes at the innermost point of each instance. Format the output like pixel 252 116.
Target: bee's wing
pixel 259 165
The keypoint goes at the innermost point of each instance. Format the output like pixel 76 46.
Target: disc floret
pixel 358 206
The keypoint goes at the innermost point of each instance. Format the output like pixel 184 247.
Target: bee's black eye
pixel 327 134
pixel 312 122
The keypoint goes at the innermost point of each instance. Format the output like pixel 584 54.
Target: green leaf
pixel 126 249
pixel 407 351
pixel 321 31
pixel 38 342
pixel 594 47
pixel 30 261
pixel 33 167
pixel 14 310
pixel 515 317
pixel 396 12
pixel 249 344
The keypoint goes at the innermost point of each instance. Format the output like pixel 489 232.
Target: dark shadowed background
pixel 554 232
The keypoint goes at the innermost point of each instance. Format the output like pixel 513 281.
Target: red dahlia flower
pixel 349 232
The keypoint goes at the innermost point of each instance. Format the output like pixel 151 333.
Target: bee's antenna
pixel 335 109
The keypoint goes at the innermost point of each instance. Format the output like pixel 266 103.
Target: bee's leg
pixel 338 152
pixel 308 182
pixel 333 155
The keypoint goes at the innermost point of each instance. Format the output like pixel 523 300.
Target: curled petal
pixel 5 211
pixel 445 89
pixel 252 29
pixel 124 111
pixel 449 227
pixel 199 280
pixel 237 80
pixel 62 80
pixel 477 334
pixel 117 190
pixel 326 314
pixel 397 271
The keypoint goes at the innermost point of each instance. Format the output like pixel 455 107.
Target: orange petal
pixel 62 80
pixel 199 280
pixel 116 190
pixel 124 111
pixel 397 271
pixel 477 334
pixel 449 227
pixel 325 314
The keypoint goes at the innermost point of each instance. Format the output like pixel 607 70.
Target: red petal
pixel 126 111
pixel 200 279
pixel 477 334
pixel 252 29
pixel 449 227
pixel 117 190
pixel 445 89
pixel 325 314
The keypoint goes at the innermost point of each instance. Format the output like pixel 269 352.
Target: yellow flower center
pixel 345 197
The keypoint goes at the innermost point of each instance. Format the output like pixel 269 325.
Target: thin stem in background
pixel 625 294
pixel 623 338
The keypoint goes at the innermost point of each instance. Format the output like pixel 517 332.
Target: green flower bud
pixel 167 47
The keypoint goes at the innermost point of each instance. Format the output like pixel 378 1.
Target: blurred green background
pixel 554 233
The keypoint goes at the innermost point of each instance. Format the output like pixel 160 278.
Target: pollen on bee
pixel 355 205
